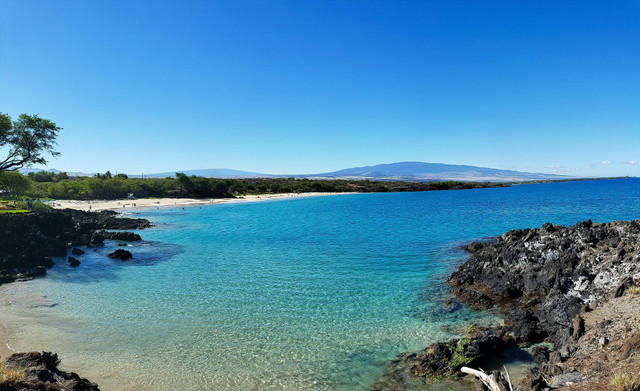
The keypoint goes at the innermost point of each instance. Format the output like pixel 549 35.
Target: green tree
pixel 60 176
pixel 185 184
pixel 14 183
pixel 41 176
pixel 26 141
pixel 106 175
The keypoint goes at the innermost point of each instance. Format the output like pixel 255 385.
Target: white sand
pixel 97 205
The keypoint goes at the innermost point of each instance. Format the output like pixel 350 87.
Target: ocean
pixel 294 294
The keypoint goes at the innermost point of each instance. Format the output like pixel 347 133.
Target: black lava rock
pixel 73 262
pixel 121 254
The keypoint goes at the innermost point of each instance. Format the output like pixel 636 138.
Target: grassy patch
pixel 625 382
pixel 8 375
pixel 7 211
pixel 459 359
pixel 634 290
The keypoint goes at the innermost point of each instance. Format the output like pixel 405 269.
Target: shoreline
pixel 125 205
pixel 568 293
pixel 5 332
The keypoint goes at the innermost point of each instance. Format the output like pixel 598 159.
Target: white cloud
pixel 553 167
pixel 633 163
pixel 605 162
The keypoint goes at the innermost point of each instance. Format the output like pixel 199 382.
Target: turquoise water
pixel 298 294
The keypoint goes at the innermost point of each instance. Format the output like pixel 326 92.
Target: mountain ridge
pixel 406 171
pixel 413 170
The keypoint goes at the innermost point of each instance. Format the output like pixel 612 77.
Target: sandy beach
pixel 97 205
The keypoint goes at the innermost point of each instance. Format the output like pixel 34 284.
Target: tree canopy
pixel 26 140
pixel 14 183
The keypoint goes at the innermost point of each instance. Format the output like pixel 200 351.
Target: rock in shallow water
pixel 73 262
pixel 121 254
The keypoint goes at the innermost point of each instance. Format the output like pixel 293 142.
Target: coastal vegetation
pixel 109 187
pixel 10 376
pixel 625 382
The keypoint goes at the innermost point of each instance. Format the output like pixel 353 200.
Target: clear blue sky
pixel 314 86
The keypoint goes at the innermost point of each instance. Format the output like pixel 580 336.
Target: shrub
pixel 8 375
pixel 634 290
pixel 625 382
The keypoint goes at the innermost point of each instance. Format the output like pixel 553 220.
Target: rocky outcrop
pixel 446 358
pixel 29 240
pixel 542 280
pixel 39 371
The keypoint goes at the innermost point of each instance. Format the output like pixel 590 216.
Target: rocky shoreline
pixel 571 287
pixel 28 241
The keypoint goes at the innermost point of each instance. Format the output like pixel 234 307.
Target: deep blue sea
pixel 296 294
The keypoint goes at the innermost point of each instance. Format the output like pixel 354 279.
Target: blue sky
pixel 316 86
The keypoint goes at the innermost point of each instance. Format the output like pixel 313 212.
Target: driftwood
pixel 493 381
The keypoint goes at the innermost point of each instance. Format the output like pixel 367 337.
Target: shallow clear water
pixel 296 294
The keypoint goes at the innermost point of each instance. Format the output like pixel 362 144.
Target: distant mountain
pixel 419 171
pixel 405 171
pixel 26 171
pixel 213 173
